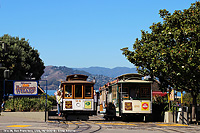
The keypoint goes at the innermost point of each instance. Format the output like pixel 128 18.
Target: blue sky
pixel 82 33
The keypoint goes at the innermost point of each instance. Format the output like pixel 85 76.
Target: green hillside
pixel 55 74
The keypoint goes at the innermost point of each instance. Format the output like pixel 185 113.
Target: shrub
pixel 28 104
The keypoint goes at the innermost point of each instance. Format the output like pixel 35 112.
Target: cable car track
pixel 96 129
pixel 81 126
pixel 98 126
pixel 86 126
pixel 78 126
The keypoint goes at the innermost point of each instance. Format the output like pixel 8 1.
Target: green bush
pixel 28 104
pixel 52 99
pixel 187 99
pixel 160 99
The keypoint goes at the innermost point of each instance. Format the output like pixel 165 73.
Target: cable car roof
pixel 130 76
pixel 77 77
pixel 77 82
pixel 135 81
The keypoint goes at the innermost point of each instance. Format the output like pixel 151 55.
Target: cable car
pixel 126 97
pixel 79 99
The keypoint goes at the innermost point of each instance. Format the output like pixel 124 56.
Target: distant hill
pixel 55 74
pixel 114 72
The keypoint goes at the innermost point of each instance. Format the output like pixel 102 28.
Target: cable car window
pixel 78 91
pixel 125 92
pixel 114 92
pixel 68 90
pixel 134 92
pixel 145 92
pixel 88 91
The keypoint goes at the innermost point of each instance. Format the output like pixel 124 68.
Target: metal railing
pixel 184 114
pixel 181 113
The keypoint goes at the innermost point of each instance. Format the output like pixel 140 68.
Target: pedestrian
pixel 59 99
pixel 3 106
pixel 178 103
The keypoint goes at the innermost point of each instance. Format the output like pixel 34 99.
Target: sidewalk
pixel 40 116
pixel 22 124
pixel 6 118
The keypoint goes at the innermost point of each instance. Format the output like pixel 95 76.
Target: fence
pixel 183 114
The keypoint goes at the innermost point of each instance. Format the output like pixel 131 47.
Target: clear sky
pixel 82 33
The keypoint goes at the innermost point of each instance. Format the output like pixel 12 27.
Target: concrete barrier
pixel 168 117
pixel 29 115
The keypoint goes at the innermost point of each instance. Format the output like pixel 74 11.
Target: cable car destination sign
pixel 23 88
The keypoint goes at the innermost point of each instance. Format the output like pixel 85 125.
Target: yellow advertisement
pixel 88 105
pixel 171 96
pixel 145 106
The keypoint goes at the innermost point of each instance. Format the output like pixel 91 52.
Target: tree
pixel 171 51
pixel 187 99
pixel 21 59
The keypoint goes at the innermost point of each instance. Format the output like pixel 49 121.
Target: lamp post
pixel 29 76
pixel 4 48
pixel 6 74
pixel 2 63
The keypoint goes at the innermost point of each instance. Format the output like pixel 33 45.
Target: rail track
pixel 98 124
pixel 77 126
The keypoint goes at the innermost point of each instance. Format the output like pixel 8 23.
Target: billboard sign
pixel 24 88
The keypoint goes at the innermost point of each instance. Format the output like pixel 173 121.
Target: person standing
pixel 3 106
pixel 59 99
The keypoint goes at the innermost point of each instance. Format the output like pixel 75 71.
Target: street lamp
pixel 4 48
pixel 3 65
pixel 29 76
pixel 6 73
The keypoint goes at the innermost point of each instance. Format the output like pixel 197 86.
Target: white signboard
pixel 23 88
pixel 78 104
pixel 136 106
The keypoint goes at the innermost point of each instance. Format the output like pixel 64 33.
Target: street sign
pixel 23 88
pixel 171 96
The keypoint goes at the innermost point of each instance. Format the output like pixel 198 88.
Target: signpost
pixel 171 96
pixel 24 88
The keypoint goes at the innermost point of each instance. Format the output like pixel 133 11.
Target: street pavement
pixel 95 124
pixel 20 124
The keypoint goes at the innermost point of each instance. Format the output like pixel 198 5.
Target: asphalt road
pixel 94 124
